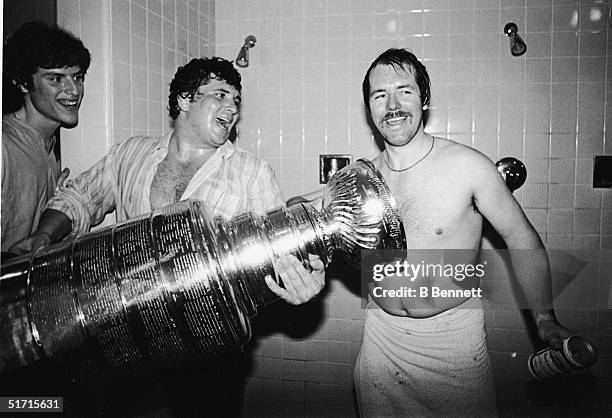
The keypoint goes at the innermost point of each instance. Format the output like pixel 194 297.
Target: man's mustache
pixel 396 114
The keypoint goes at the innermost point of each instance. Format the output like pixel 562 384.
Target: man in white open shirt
pixel 195 160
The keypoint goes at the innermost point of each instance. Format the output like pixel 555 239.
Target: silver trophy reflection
pixel 178 287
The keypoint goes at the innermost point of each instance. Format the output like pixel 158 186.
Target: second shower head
pixel 242 60
pixel 517 45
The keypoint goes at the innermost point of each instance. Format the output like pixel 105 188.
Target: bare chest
pixel 169 182
pixel 437 210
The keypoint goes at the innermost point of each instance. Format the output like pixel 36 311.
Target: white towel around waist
pixel 436 366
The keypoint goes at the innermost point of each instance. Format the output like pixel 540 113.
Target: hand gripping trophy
pixel 177 286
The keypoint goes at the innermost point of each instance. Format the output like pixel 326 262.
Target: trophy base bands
pixel 31 404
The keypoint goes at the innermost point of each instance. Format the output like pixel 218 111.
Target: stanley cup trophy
pixel 178 287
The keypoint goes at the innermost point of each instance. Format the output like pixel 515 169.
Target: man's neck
pixel 45 127
pixel 188 149
pixel 405 155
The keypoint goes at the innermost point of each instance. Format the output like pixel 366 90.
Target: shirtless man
pixel 423 355
pixel 195 160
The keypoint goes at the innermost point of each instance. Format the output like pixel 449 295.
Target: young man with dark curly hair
pixel 47 66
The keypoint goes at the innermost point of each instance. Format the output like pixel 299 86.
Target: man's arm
pixel 52 227
pixel 314 199
pixel 527 253
pixel 77 205
pixel 301 285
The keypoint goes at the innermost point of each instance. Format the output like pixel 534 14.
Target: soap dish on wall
pixel 330 163
pixel 602 171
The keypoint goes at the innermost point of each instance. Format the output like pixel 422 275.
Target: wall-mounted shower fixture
pixel 517 46
pixel 513 172
pixel 329 164
pixel 242 60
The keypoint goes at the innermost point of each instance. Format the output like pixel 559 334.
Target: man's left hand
pixel 300 285
pixel 553 333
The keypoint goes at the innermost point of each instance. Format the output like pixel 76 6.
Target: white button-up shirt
pixel 230 182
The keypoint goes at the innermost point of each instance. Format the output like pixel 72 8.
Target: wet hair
pixel 198 72
pixel 39 45
pixel 400 59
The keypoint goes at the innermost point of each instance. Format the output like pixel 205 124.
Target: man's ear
pixel 20 86
pixel 183 103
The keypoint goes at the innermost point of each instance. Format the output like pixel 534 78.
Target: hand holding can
pixel 576 354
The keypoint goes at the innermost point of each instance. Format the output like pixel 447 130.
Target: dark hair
pixel 39 45
pixel 196 73
pixel 400 58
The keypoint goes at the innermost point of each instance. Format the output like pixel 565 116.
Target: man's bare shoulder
pixel 463 155
pixel 457 149
pixel 476 169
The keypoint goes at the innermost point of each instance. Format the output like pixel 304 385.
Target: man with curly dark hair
pixel 194 160
pixel 45 66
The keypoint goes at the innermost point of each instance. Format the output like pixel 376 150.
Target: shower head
pixel 242 60
pixel 517 46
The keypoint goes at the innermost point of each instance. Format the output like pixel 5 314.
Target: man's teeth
pixel 224 122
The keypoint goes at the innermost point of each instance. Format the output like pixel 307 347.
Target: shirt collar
pixel 14 119
pixel 163 143
pixel 224 151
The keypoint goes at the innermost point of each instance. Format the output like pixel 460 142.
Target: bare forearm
pixel 532 269
pixel 55 224
pixel 314 199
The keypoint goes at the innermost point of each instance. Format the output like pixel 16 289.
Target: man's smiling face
pixel 395 104
pixel 56 94
pixel 214 111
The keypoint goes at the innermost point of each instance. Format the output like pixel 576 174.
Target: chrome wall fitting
pixel 242 59
pixel 513 172
pixel 517 45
